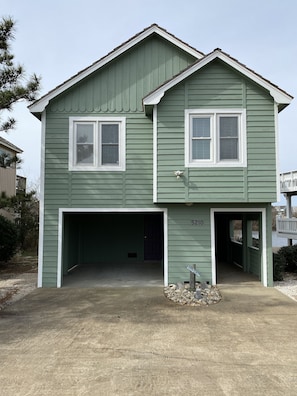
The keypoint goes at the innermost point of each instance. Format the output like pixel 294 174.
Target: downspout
pixel 278 192
pixel 41 202
pixel 155 154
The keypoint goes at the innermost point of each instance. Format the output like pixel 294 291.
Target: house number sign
pixel 197 222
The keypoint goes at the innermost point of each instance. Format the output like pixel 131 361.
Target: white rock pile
pixel 288 285
pixel 203 294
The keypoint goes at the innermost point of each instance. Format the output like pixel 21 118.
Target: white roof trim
pixel 5 143
pixel 40 105
pixel 278 95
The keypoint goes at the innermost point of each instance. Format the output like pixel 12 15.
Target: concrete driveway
pixel 132 341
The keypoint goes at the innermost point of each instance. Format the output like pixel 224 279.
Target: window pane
pixel 228 138
pixel 228 127
pixel 200 149
pixel 201 127
pixel 110 133
pixel 84 133
pixel 109 144
pixel 228 149
pixel 110 155
pixel 84 143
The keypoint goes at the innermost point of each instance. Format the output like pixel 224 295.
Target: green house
pixel 159 153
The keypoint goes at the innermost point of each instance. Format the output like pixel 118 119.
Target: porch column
pixel 245 233
pixel 289 212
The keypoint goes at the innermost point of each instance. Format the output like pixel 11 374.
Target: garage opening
pixel 238 247
pixel 113 249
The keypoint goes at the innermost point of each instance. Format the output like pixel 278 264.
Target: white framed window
pixel 215 137
pixel 97 143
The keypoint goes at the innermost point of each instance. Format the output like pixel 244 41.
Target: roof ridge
pixel 154 27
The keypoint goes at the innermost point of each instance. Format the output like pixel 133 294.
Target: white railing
pixel 288 182
pixel 286 227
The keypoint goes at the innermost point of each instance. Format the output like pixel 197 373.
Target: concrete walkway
pixel 132 341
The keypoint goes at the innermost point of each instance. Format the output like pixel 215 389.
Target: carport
pixel 109 247
pixel 239 238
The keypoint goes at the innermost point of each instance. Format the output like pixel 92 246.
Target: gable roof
pixel 281 97
pixel 6 144
pixel 39 105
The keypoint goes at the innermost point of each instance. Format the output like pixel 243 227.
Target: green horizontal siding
pixel 217 86
pixel 116 89
pixel 188 244
pixel 261 182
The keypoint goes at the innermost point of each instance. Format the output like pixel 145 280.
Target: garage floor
pixel 141 274
pixel 116 275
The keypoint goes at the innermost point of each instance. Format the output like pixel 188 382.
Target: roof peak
pixel 39 105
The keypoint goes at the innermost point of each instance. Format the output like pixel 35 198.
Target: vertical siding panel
pixel 136 73
pixel 103 93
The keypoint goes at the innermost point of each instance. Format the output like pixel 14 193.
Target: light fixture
pixel 178 174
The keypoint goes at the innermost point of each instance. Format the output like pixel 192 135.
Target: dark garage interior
pixel 238 246
pixel 108 249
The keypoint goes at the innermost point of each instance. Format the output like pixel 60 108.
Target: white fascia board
pixel 155 97
pixel 192 51
pixel 41 104
pixel 278 95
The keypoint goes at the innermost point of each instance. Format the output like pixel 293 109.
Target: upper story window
pixel 215 137
pixel 8 159
pixel 97 143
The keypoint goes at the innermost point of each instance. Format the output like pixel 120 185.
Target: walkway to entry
pixel 230 274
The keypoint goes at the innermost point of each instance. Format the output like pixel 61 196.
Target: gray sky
pixel 56 39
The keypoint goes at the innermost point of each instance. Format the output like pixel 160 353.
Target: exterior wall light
pixel 178 174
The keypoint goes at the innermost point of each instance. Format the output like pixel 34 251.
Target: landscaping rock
pixel 202 295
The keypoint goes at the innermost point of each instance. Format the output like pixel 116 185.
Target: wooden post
pixel 193 279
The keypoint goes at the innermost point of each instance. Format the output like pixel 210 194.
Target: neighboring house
pixel 158 152
pixel 286 226
pixel 10 182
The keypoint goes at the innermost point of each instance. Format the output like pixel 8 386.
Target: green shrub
pixel 289 255
pixel 278 267
pixel 8 239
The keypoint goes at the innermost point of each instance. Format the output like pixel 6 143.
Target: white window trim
pixel 214 161
pixel 95 167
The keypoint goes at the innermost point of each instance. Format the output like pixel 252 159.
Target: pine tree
pixel 13 82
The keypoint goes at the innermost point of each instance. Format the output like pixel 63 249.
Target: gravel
pixel 288 286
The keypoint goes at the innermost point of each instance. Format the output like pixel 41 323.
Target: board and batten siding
pixel 120 85
pixel 217 86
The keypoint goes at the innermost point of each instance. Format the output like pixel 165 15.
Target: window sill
pixel 101 169
pixel 216 165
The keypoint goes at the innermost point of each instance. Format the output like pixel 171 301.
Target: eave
pixel 6 144
pixel 38 106
pixel 281 98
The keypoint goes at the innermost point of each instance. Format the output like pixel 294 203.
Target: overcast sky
pixel 56 39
